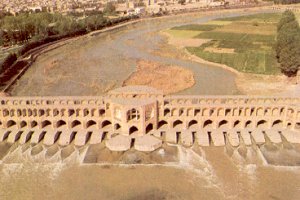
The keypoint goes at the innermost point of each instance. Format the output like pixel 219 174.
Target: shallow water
pixel 198 172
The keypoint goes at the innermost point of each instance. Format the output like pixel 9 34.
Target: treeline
pixel 286 1
pixel 34 30
pixel 288 44
pixel 8 61
pixel 24 27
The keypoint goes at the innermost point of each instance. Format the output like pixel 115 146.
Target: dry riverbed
pixel 169 79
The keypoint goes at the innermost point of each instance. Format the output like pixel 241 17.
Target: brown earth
pixel 169 79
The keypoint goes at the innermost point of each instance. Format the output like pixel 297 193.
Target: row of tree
pixel 34 30
pixel 288 44
pixel 24 27
pixel 8 61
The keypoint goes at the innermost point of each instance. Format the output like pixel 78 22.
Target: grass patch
pixel 262 17
pixel 236 36
pixel 249 62
pixel 250 28
pixel 183 33
pixel 252 38
pixel 197 27
pixel 217 22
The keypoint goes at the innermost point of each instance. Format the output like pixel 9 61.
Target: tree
pixel 109 8
pixel 288 44
pixel 182 2
pixel 8 61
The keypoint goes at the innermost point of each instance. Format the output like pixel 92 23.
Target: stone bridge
pixel 143 117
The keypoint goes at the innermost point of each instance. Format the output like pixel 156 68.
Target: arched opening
pixel 221 112
pixel 149 128
pixel 167 112
pixel 101 112
pixel 75 123
pixel 297 126
pixel 133 129
pixel 260 112
pixel 249 124
pixel 41 112
pixel 45 123
pixel 262 124
pixel 90 123
pixel 71 112
pixel 117 126
pixel 162 124
pixel 33 124
pixel 177 124
pixel 23 124
pixel 60 123
pixel 208 124
pixel 277 124
pixel 181 112
pixel 192 124
pixel 10 123
pixel 237 124
pixel 223 124
pixel 105 124
pixel 275 112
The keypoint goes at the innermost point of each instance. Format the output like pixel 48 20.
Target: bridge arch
pixel 45 123
pixel 105 124
pixel 237 124
pixel 102 112
pixel 249 124
pixel 275 112
pixel 133 129
pixel 75 123
pixel 208 124
pixel 260 111
pixel 193 124
pixel 23 124
pixel 167 112
pixel 33 124
pixel 277 124
pixel 60 123
pixel 177 124
pixel 117 126
pixel 149 128
pixel 90 123
pixel 262 124
pixel 10 123
pixel 162 124
pixel 223 124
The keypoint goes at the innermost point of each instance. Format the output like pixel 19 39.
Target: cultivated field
pixel 244 43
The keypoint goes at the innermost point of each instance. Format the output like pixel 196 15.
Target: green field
pixel 251 37
pixel 183 33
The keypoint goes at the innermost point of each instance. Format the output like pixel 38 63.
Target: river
pixel 93 65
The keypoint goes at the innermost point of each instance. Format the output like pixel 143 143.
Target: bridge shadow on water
pixel 268 153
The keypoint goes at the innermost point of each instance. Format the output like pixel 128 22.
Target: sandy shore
pixel 169 79
pixel 249 84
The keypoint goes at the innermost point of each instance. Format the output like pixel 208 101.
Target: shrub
pixel 8 61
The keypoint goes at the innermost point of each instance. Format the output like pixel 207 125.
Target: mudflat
pixel 169 79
